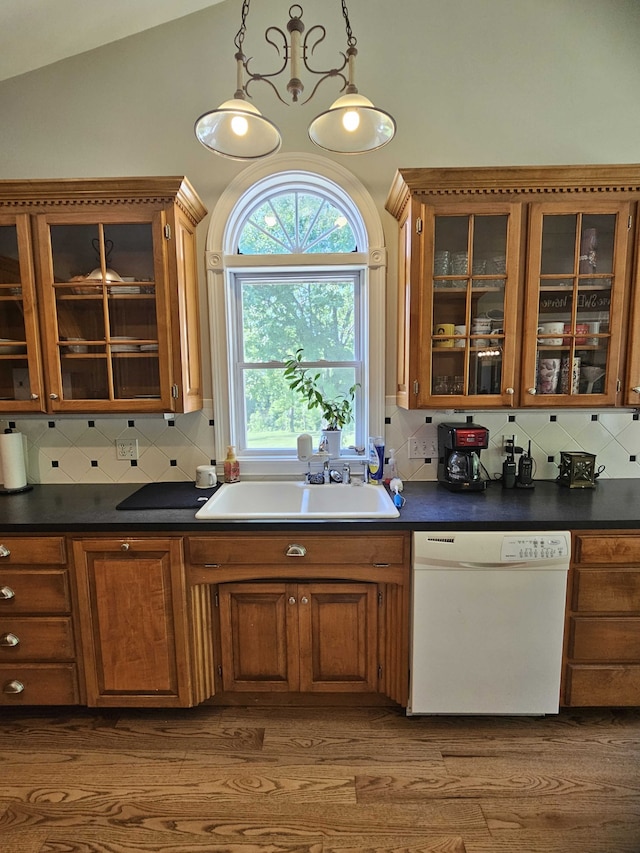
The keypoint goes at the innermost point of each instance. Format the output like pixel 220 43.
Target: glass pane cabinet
pixel 576 287
pixel 472 301
pixel 21 386
pixel 102 294
pixel 116 293
pixel 518 286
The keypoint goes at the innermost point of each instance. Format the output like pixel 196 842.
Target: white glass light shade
pixel 352 125
pixel 238 130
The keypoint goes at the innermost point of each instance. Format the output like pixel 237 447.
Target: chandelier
pixel 351 125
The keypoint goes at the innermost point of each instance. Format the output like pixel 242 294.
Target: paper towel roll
pixel 12 465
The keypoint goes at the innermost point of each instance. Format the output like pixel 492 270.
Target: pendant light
pixel 352 125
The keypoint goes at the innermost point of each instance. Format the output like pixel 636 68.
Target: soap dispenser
pixel 231 466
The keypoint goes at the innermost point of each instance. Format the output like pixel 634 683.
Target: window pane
pixel 295 223
pixel 275 415
pixel 279 316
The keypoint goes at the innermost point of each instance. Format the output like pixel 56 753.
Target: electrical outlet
pixel 126 448
pixel 509 442
pixel 422 448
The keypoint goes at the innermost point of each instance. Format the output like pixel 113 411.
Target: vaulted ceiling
pixel 35 33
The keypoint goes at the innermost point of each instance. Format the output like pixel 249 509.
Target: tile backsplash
pixel 81 449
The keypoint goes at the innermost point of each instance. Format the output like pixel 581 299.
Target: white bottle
pixel 390 469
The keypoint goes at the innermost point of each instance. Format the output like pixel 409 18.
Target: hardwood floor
pixel 317 780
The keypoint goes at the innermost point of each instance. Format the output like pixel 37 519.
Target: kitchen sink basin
pixel 269 499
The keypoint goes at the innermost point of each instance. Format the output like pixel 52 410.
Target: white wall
pixel 470 82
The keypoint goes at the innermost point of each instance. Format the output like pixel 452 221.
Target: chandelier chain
pixel 239 39
pixel 351 39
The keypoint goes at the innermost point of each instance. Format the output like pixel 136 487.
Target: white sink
pixel 269 499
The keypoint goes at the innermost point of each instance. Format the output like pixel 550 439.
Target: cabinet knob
pixel 296 551
pixel 304 599
pixel 53 397
pixel 14 686
pixel 509 391
pixel 292 600
pixel 6 593
pixel 4 551
pixel 636 389
pixel 8 641
pixel 35 397
pixel 125 546
pixel 532 391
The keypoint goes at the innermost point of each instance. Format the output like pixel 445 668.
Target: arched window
pixel 293 271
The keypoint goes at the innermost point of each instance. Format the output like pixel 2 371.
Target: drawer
pixel 36 638
pixel 34 591
pixel 619 549
pixel 29 550
pixel 39 684
pixel 606 590
pixel 605 639
pixel 334 550
pixel 603 685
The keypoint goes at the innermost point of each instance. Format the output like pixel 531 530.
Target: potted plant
pixel 337 411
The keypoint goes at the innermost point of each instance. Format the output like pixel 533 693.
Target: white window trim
pixel 221 256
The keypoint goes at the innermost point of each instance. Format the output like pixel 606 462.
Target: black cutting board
pixel 167 496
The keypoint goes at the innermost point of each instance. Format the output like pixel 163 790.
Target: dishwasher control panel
pixel 534 547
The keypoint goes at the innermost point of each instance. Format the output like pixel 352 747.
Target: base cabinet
pixel 133 614
pixel 308 613
pixel 37 638
pixel 299 637
pixel 603 621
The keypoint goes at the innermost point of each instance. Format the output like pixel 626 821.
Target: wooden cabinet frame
pixel 173 210
pixel 416 194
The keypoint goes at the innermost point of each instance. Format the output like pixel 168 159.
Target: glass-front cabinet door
pixel 469 306
pixel 575 304
pixel 21 388
pixel 103 301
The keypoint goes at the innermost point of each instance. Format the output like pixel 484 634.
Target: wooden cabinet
pixel 308 637
pixel 134 622
pixel 37 638
pixel 603 622
pixel 514 286
pixel 308 612
pixel 99 296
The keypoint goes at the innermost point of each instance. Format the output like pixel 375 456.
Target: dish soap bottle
pixel 231 466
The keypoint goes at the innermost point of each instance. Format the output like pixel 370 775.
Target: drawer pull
pixel 296 551
pixel 125 546
pixel 8 641
pixel 380 565
pixel 6 593
pixel 14 686
pixel 4 551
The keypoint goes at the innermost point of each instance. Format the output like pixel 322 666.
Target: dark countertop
pixel 85 508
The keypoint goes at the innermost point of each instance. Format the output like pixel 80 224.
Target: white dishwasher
pixel 487 622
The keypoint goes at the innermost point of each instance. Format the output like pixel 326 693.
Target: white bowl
pixel 10 347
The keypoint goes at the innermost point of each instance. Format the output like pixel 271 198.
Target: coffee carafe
pixel 459 447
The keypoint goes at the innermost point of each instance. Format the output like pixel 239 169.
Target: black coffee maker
pixel 459 447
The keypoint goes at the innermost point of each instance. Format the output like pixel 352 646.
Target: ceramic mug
pixel 554 328
pixel 581 331
pixel 460 330
pixel 479 325
pixel 206 476
pixel 548 374
pixel 594 329
pixel 444 329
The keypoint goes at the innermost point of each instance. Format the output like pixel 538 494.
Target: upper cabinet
pixel 515 286
pixel 99 296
